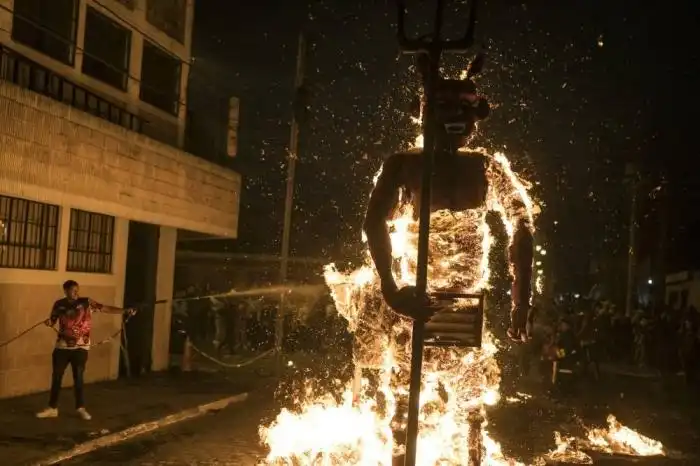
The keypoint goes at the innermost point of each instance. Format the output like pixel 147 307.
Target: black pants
pixel 77 358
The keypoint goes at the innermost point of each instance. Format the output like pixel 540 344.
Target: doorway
pixel 140 293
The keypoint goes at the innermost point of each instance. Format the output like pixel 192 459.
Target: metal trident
pixel 437 44
pixel 430 52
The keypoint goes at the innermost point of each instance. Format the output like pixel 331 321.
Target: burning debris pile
pixel 567 451
pixel 615 440
pixel 620 439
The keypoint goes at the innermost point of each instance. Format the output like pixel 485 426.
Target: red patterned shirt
pixel 74 319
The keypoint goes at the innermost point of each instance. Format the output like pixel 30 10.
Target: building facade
pixel 683 290
pixel 94 185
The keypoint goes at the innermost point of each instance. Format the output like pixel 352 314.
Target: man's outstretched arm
pixel 382 203
pixel 105 309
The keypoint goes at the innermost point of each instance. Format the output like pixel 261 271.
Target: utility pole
pixel 299 108
pixel 632 175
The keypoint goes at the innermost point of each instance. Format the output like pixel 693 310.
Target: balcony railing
pixel 30 75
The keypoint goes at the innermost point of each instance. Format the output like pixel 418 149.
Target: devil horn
pixel 477 65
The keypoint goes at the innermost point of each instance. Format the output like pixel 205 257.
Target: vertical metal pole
pixel 418 335
pixel 633 176
pixel 289 197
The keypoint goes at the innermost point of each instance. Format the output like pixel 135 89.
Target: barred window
pixel 28 234
pixel 90 242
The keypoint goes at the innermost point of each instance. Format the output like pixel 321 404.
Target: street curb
pixel 140 429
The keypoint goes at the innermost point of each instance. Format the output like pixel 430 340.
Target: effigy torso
pixel 456 262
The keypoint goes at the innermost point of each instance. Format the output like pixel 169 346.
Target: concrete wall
pixel 50 152
pixel 164 290
pixel 26 297
pixel 6 17
pixel 131 18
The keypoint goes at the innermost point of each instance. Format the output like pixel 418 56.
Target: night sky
pixel 580 88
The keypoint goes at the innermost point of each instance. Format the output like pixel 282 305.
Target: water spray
pixel 305 290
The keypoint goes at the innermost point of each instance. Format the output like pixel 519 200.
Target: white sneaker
pixel 47 413
pixel 84 415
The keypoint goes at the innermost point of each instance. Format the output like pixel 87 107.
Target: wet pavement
pixel 662 409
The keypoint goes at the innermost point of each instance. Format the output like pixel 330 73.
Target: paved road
pixel 228 437
pixel 662 410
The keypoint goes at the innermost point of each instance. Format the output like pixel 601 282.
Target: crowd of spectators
pixel 661 339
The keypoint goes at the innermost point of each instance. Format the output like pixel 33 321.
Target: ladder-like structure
pixel 461 327
pixel 458 324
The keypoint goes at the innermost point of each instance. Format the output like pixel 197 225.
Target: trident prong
pixel 437 44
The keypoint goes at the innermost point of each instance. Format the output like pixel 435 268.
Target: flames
pixel 616 439
pixel 621 439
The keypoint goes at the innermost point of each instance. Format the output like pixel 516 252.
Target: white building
pixel 92 116
pixel 683 289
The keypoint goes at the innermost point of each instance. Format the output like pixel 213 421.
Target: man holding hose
pixel 74 317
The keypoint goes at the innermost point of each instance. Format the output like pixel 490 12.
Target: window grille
pixel 28 234
pixel 90 242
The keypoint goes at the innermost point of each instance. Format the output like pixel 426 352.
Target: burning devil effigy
pixel 359 425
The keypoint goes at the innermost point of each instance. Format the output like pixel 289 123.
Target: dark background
pixel 581 88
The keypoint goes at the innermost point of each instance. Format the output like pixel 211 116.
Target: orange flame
pixel 616 439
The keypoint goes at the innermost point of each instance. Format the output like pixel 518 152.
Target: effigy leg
pixel 476 438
